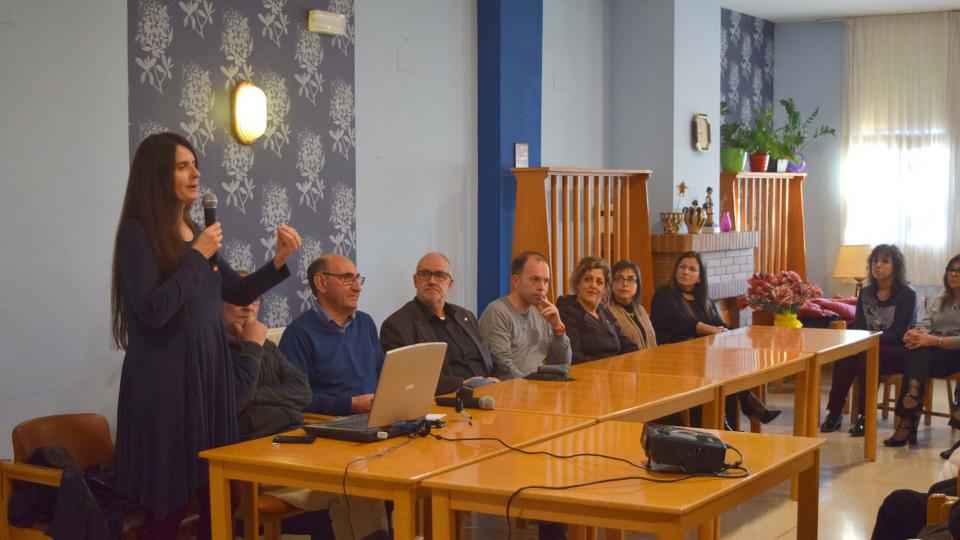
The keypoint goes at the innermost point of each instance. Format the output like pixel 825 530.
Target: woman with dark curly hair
pixel 933 351
pixel 889 304
pixel 592 329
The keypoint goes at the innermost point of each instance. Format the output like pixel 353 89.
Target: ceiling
pixel 808 10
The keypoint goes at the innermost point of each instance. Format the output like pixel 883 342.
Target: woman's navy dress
pixel 176 388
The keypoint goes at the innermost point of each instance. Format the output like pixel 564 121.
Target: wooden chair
pixel 86 436
pixel 938 507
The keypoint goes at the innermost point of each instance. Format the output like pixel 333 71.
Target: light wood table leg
pixel 613 534
pixel 578 532
pixel 709 530
pixel 443 519
pixel 250 511
pixel 404 514
pixel 713 412
pixel 870 415
pixel 799 411
pixel 807 505
pixel 221 520
pixel 670 531
pixel 813 397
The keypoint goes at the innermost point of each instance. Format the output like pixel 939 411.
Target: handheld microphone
pixel 466 399
pixel 209 202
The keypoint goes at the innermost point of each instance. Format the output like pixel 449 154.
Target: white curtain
pixel 902 135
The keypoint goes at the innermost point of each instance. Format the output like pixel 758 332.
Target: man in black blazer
pixel 430 318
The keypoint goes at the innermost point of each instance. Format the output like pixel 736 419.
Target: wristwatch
pixel 558 330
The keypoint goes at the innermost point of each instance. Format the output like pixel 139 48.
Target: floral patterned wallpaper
pixel 185 57
pixel 746 64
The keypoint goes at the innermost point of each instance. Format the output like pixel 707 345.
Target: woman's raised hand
pixel 288 241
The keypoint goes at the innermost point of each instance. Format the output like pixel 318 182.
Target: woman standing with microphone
pixel 176 394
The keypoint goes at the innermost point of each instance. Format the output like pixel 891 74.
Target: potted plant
pixel 797 135
pixel 780 155
pixel 732 154
pixel 781 294
pixel 759 139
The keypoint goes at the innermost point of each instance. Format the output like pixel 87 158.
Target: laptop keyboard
pixel 354 421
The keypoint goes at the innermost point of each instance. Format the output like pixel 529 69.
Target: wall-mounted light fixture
pixel 327 22
pixel 249 112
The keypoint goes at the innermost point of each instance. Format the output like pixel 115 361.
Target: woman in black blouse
pixel 682 310
pixel 592 329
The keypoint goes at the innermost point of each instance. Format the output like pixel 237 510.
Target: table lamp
pixel 852 264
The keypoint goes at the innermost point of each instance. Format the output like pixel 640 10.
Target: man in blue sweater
pixel 335 344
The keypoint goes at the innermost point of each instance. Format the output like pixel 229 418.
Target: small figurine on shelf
pixel 709 226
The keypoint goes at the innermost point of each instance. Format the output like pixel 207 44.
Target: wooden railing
pixel 568 214
pixel 772 204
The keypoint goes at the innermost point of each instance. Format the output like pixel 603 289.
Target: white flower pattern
pixel 277 134
pixel 199 13
pixel 275 310
pixel 154 34
pixel 196 99
pixel 185 58
pixel 237 163
pixel 274 21
pixel 238 255
pixel 341 112
pixel 343 218
pixel 236 43
pixel 310 163
pixel 746 64
pixel 309 55
pixel 344 42
pixel 275 211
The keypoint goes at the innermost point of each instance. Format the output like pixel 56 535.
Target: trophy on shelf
pixel 710 226
pixel 694 217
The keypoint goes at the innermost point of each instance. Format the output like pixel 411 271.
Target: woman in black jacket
pixel 682 310
pixel 592 329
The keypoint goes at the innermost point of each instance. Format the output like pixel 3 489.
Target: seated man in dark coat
pixel 429 317
pixel 271 395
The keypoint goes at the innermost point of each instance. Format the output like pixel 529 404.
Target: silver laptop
pixel 404 395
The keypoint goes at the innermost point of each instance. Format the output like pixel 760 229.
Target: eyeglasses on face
pixel 954 271
pixel 439 275
pixel 625 280
pixel 347 278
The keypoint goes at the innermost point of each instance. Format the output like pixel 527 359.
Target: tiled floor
pixel 851 489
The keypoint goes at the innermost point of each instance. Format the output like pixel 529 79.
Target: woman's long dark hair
pixel 701 291
pixel 899 265
pixel 150 199
pixel 627 264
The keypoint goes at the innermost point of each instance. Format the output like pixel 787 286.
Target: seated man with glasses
pixel 429 318
pixel 335 344
pixel 523 328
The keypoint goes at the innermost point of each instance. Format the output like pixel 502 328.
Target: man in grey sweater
pixel 523 328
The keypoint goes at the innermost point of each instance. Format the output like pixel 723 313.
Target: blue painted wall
pixel 509 69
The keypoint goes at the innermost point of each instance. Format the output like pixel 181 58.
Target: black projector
pixel 671 448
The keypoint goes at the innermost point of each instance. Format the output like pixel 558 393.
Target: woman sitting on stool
pixel 889 304
pixel 682 310
pixel 933 352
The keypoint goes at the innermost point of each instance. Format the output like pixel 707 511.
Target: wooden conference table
pixel 608 395
pixel 826 345
pixel 734 370
pixel 395 476
pixel 667 509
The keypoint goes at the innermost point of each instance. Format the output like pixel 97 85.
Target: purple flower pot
pixel 797 168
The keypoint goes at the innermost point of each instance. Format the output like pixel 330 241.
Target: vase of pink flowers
pixel 781 293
